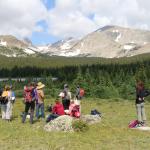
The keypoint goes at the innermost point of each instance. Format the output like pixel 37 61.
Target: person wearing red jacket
pixel 58 110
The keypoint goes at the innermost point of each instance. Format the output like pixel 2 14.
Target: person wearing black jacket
pixel 140 94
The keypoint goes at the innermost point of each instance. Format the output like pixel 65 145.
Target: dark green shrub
pixel 105 92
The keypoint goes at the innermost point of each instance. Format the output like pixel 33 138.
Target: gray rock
pixel 62 123
pixel 91 119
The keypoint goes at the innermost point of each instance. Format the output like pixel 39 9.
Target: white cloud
pixel 66 24
pixel 19 17
pixel 71 17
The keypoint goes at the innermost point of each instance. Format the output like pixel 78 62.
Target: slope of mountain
pixel 63 48
pixel 12 41
pixel 107 42
pixel 113 41
pixel 10 46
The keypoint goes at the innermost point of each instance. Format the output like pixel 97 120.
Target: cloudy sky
pixel 46 21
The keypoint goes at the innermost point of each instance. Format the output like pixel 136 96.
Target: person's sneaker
pixel 138 125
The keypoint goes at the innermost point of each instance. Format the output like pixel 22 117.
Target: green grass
pixel 111 134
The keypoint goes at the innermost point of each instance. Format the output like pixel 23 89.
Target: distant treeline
pixel 105 78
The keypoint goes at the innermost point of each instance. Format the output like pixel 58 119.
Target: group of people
pixel 58 110
pixel 7 99
pixel 34 98
pixel 69 106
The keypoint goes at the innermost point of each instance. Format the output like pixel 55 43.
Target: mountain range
pixel 106 42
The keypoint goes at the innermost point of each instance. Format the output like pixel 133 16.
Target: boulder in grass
pixel 91 119
pixel 62 123
pixel 143 128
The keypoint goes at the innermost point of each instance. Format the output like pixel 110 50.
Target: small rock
pixel 91 119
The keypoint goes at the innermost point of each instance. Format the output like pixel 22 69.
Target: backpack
pixel 49 108
pixel 133 123
pixel 4 98
pixel 28 95
pixel 13 98
pixel 82 92
pixel 34 95
pixel 95 112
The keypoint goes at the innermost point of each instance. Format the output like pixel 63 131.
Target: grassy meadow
pixel 111 134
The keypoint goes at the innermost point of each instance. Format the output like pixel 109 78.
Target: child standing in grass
pixel 140 103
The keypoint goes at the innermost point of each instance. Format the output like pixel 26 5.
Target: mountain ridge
pixel 108 42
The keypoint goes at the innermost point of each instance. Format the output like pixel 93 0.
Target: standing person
pixel 140 103
pixel 79 93
pixel 29 103
pixel 79 96
pixel 67 97
pixel 34 93
pixel 9 105
pixel 4 101
pixel 40 102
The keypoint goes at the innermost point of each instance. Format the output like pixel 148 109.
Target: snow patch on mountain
pixel 128 47
pixel 82 44
pixel 65 46
pixel 10 55
pixel 70 53
pixel 118 35
pixel 3 43
pixel 28 51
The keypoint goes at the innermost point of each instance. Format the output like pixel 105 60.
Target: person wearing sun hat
pixel 40 101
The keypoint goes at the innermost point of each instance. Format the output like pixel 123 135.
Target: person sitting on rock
pixel 57 110
pixel 74 110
